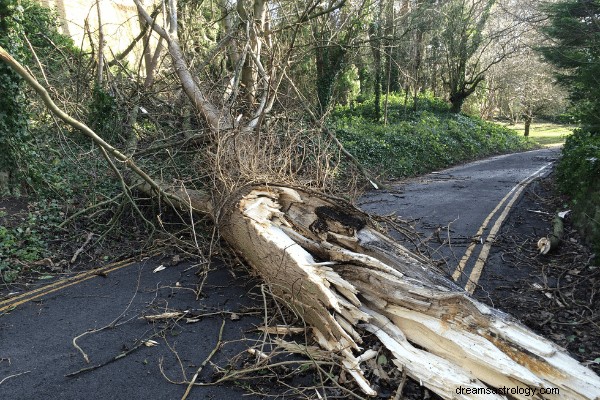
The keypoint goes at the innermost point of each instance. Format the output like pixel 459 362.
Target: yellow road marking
pixel 463 261
pixel 61 284
pixel 485 251
pixel 513 194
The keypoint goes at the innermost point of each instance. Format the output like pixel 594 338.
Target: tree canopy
pixel 574 31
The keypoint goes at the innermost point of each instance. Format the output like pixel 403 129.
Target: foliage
pixel 52 179
pixel 416 142
pixel 104 116
pixel 463 37
pixel 13 106
pixel 27 31
pixel 401 106
pixel 26 240
pixel 575 31
pixel 577 174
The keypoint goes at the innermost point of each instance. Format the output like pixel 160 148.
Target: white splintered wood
pixel 441 376
pixel 472 351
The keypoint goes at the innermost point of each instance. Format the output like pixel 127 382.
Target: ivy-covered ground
pixel 411 142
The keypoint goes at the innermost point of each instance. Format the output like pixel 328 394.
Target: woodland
pixel 248 127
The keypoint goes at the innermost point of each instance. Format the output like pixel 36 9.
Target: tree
pixel 524 87
pixel 333 34
pixel 375 34
pixel 326 260
pixel 574 29
pixel 462 37
pixel 476 35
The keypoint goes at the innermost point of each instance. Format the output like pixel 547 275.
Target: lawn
pixel 545 134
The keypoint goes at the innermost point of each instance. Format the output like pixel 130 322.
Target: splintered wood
pixel 329 264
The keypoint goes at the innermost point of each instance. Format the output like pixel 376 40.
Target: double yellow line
pixel 509 200
pixel 13 302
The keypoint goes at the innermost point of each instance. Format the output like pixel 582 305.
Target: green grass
pixel 546 134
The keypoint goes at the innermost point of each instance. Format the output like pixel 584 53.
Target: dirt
pixel 12 209
pixel 78 247
pixel 556 295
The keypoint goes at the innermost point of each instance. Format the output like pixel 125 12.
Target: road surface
pixel 37 328
pixel 464 206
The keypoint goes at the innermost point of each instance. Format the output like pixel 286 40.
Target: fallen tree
pixel 333 267
pixel 330 264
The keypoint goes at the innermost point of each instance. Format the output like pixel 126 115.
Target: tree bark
pixel 527 119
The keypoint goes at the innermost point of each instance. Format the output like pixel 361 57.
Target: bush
pixel 578 174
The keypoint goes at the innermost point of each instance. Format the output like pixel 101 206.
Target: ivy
pixel 13 104
pixel 416 142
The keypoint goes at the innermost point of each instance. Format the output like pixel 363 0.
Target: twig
pixel 79 349
pixel 37 60
pixel 374 182
pixel 83 128
pixel 398 394
pixel 115 358
pixel 83 211
pixel 90 235
pixel 13 376
pixel 113 324
pixel 212 353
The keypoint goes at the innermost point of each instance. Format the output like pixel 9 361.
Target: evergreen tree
pixel 575 31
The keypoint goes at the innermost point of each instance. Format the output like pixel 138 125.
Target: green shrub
pixel 25 240
pixel 578 174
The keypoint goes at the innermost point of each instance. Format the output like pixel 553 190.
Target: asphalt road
pixel 461 206
pixel 37 328
pixel 460 210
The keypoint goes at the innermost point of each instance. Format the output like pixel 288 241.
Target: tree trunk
pixel 329 61
pixel 527 119
pixel 374 34
pixel 330 265
pixel 456 102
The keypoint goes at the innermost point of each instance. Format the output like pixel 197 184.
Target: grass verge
pixel 546 134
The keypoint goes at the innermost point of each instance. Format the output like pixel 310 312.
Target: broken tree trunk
pixel 328 262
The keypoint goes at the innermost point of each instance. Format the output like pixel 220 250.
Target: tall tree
pixel 334 30
pixel 575 31
pixel 375 37
pixel 463 37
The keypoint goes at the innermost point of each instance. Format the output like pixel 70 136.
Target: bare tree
pixel 476 35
